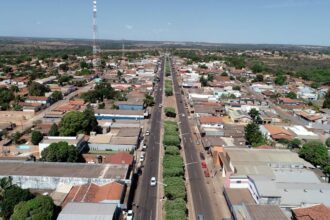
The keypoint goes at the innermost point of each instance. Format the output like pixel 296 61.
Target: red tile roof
pixel 316 212
pixel 94 193
pixel 210 120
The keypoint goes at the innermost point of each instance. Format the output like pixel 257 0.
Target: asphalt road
pixel 200 196
pixel 147 201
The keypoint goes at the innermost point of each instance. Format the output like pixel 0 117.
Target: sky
pixel 217 21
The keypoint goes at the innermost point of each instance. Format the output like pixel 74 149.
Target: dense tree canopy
pixel 326 103
pixel 314 152
pixel 60 152
pixel 280 79
pixel 38 208
pixel 255 115
pixel 6 95
pixel 149 100
pixel 253 135
pixel 54 130
pixel 76 122
pixel 258 67
pixel 56 96
pixel 12 196
pixel 292 95
pixel 37 89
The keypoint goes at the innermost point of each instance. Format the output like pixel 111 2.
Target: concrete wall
pixel 47 182
pixel 111 147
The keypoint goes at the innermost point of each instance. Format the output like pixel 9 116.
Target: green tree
pixel 255 115
pixel 148 100
pixel 12 196
pixel 37 89
pixel 295 143
pixel 327 142
pixel 39 208
pixel 83 65
pixel 170 112
pixel 60 152
pixel 315 85
pixel 292 95
pixel 36 137
pixel 16 137
pixel 75 122
pixel 64 67
pixel 56 96
pixel 203 81
pixel 6 96
pixel 53 130
pixel 280 79
pixel 259 78
pixel 258 67
pixel 253 135
pixel 72 124
pixel 326 103
pixel 238 88
pixel 5 183
pixel 314 152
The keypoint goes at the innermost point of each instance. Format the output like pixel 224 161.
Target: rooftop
pixel 87 211
pixel 80 170
pixel 314 212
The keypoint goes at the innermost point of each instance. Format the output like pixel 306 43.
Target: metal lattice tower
pixel 94 28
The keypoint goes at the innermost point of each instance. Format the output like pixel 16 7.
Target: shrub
pixel 175 209
pixel 171 140
pixel 170 112
pixel 172 150
pixel 175 188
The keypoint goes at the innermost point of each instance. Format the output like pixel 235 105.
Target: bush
pixel 170 112
pixel 171 140
pixel 175 209
pixel 175 188
pixel 168 88
pixel 171 128
pixel 172 150
pixel 173 166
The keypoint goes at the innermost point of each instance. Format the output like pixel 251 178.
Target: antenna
pixel 94 28
pixel 123 49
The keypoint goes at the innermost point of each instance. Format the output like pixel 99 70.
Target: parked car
pixel 153 181
pixel 144 147
pixel 141 157
pixel 129 215
pixel 147 133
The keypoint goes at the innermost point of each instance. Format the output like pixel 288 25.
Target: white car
pixel 160 105
pixel 144 147
pixel 129 215
pixel 153 181
pixel 147 133
pixel 141 157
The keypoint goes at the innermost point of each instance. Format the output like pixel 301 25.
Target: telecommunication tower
pixel 95 50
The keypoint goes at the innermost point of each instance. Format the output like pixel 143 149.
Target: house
pixel 238 116
pixel 107 114
pixel 125 139
pixel 289 101
pixel 307 93
pixel 276 132
pixel 110 193
pixel 130 105
pixel 38 99
pixel 211 121
pixel 313 212
pixel 89 211
pixel 302 133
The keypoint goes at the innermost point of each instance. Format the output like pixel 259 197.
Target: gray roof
pixel 298 194
pixel 295 176
pixel 129 132
pixel 265 186
pixel 88 211
pixel 23 168
pixel 262 212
